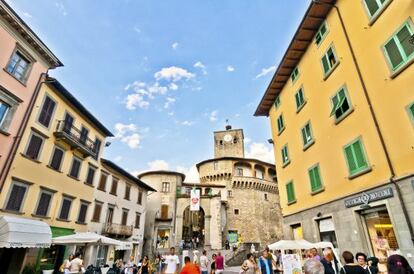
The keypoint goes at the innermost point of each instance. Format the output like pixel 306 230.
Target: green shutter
pixel 355 157
pixel 325 64
pixel 359 155
pixel 411 108
pixel 350 159
pixel 315 179
pixel 290 192
pixel 372 6
pixel 304 136
pixel 393 53
pixel 404 36
pixel 297 100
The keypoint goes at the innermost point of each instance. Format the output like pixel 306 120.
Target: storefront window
pixel 381 234
pixel 163 238
pixel 101 255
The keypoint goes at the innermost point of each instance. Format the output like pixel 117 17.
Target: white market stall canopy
pixel 25 233
pixel 86 238
pixel 124 246
pixel 298 244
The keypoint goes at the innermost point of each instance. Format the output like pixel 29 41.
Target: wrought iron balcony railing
pixel 75 138
pixel 117 229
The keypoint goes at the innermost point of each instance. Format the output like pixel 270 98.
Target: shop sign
pixel 366 197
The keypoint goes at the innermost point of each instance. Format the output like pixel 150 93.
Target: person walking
pixel 328 261
pixel 204 263
pixel 76 264
pixel 397 264
pixel 314 254
pixel 265 263
pixel 373 264
pixel 313 266
pixel 189 268
pixel 249 266
pixel 219 263
pixel 350 266
pixel 213 264
pixel 172 262
pixel 196 259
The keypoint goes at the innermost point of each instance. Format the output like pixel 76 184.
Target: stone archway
pixel 193 226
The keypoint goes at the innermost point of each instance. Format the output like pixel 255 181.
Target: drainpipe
pixel 374 117
pixel 17 139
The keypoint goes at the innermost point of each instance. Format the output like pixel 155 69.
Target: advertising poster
pixel 291 264
pixel 195 200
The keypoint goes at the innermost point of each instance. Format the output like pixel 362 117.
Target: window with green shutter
pixel 398 49
pixel 299 99
pixel 374 7
pixel 290 191
pixel 320 35
pixel 315 179
pixel 294 75
pixel 341 104
pixel 277 102
pixel 410 109
pixel 355 157
pixel 285 155
pixel 280 123
pixel 307 137
pixel 329 61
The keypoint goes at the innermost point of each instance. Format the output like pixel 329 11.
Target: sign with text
pixel 366 197
pixel 291 264
pixel 195 200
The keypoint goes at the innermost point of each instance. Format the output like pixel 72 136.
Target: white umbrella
pixel 294 244
pixel 86 238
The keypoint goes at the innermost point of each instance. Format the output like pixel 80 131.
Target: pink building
pixel 24 60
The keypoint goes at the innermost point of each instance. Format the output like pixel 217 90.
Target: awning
pixel 25 233
pixel 124 246
pixel 86 238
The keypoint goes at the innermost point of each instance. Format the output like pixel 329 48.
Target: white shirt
pixel 203 263
pixel 172 261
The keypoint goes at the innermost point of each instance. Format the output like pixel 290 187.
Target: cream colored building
pixel 239 199
pixel 118 211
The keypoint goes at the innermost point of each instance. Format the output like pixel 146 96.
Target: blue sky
pixel 164 74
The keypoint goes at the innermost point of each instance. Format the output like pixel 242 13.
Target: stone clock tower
pixel 229 143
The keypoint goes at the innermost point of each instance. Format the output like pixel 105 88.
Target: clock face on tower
pixel 228 138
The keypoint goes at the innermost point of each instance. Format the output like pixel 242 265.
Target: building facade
pixel 24 60
pixel 51 176
pixel 239 200
pixel 161 210
pixel 341 110
pixel 119 210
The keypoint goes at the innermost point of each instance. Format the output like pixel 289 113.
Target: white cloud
pixel 135 173
pixel 137 30
pixel 174 74
pixel 61 8
pixel 134 100
pixel 173 86
pixel 247 140
pixel 170 101
pixel 187 123
pixel 174 46
pixel 230 68
pixel 128 134
pixel 213 116
pixel 118 159
pixel 201 66
pixel 266 71
pixel 158 165
pixel 260 151
pixel 171 113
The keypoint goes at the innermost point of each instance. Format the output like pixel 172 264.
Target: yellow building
pixel 341 107
pixel 52 175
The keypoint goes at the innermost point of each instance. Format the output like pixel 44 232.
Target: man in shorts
pixel 172 261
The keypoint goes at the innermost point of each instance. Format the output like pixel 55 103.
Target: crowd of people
pixel 269 263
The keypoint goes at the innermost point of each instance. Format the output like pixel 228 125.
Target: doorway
pixel 381 234
pixel 193 227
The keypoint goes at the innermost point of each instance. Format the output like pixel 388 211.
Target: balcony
pixel 117 229
pixel 73 137
pixel 163 217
